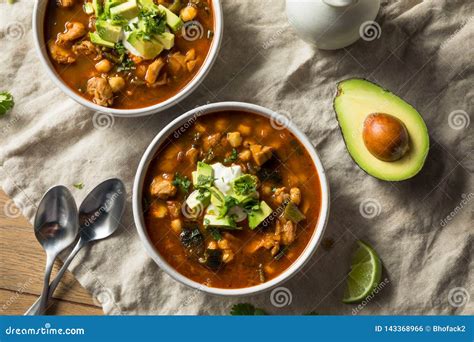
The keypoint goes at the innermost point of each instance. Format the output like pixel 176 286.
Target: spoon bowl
pixel 56 224
pixel 101 210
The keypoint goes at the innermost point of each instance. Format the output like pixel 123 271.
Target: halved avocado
pixel 355 100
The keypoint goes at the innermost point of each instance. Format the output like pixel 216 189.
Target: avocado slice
pixel 95 39
pixel 203 176
pixel 108 4
pixel 355 100
pixel 107 31
pixel 148 49
pixel 98 8
pixel 166 39
pixel 172 20
pixel 256 217
pixel 225 222
pixel 127 10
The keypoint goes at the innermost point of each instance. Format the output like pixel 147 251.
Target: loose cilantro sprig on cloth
pixel 246 309
pixel 6 102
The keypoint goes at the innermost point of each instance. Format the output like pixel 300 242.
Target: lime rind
pixel 365 274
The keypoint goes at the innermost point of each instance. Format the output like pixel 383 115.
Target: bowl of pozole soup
pixel 230 198
pixel 128 57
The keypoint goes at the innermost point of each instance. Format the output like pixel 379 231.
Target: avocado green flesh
pixel 355 100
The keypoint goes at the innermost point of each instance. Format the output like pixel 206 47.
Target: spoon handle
pixel 35 308
pixel 47 275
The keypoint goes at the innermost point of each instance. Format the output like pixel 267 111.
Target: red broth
pixel 137 92
pixel 289 167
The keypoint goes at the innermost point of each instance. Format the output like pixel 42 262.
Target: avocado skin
pixel 385 90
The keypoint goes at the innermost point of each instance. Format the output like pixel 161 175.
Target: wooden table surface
pixel 21 271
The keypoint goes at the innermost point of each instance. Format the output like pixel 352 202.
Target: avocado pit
pixel 385 136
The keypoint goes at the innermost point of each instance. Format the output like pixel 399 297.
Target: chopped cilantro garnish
pixel 246 309
pixel 120 49
pixel 209 156
pixel 127 64
pixel 6 102
pixel 204 181
pixel 233 156
pixel 244 185
pixel 216 235
pixel 79 185
pixel 182 182
pixel 151 22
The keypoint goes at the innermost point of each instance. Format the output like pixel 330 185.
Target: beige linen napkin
pixel 422 228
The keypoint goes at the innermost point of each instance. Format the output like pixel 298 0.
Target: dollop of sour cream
pixel 224 175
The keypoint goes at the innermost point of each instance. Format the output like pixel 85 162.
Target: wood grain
pixel 21 270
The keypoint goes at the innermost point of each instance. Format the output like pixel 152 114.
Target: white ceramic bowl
pixel 39 13
pixel 184 121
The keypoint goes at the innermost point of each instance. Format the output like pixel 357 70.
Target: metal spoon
pixel 56 227
pixel 99 216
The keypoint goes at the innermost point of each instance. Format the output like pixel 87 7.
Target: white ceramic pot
pixel 333 24
pixel 39 13
pixel 184 121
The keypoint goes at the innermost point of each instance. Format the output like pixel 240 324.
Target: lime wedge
pixel 365 274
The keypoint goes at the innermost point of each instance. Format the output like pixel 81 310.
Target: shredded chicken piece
pixel 161 81
pixel 74 30
pixel 153 70
pixel 101 91
pixel 192 154
pixel 176 63
pixel 162 188
pixel 211 141
pixel 60 54
pixel 174 208
pixel 288 232
pixel 261 153
pixel 65 3
pixel 86 48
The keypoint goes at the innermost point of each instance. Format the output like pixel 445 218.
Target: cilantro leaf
pixel 244 185
pixel 182 182
pixel 233 157
pixel 79 185
pixel 6 102
pixel 246 309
